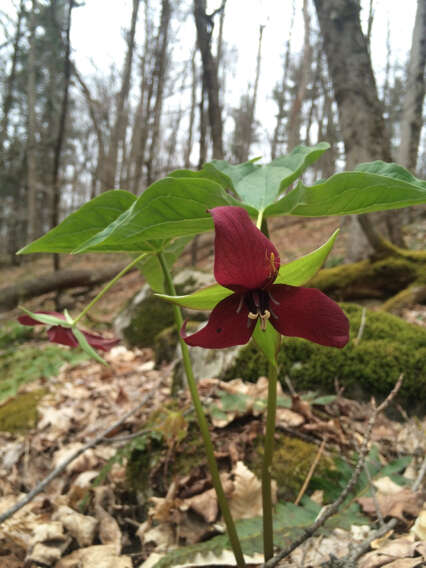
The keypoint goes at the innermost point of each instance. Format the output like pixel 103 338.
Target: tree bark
pixel 204 24
pixel 411 121
pixel 32 213
pixel 10 82
pixel 280 93
pixel 56 195
pixel 360 111
pixel 160 71
pixel 295 117
pixel 118 127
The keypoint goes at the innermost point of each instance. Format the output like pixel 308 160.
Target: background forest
pixel 181 93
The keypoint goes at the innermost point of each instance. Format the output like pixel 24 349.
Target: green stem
pixel 259 219
pixel 108 286
pixel 268 535
pixel 203 424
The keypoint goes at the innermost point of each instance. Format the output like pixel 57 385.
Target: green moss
pixel 20 413
pixel 389 346
pixel 12 332
pixel 291 463
pixel 23 364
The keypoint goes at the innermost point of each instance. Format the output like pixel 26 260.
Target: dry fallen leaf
pixel 245 501
pixel 394 505
pixel 81 527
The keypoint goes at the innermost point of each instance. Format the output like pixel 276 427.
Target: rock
pixel 146 316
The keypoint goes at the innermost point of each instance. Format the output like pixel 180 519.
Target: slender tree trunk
pixel 204 24
pixel 295 118
pixel 189 140
pixel 160 68
pixel 252 108
pixel 412 122
pixel 56 194
pixel 32 227
pixel 281 93
pixel 93 112
pixel 118 127
pixel 10 81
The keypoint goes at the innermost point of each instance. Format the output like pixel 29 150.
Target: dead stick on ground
pixel 310 472
pixel 58 470
pixel 330 510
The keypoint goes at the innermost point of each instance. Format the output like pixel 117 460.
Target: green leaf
pixel 301 270
pixel 169 208
pixel 82 341
pixel 374 186
pixel 151 268
pixel 258 185
pixel 268 342
pixel 204 299
pixel 83 223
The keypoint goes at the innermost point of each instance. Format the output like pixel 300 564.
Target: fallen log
pixel 11 296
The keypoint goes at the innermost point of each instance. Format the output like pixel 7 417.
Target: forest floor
pixel 91 516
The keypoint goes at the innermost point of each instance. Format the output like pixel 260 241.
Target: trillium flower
pixel 247 263
pixel 64 334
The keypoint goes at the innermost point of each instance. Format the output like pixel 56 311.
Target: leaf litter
pixel 89 516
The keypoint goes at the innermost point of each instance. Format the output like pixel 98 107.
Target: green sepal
pixel 301 270
pixel 203 299
pixel 46 319
pixel 268 342
pixel 82 341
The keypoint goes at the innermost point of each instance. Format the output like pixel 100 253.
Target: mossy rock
pixel 20 413
pixel 389 346
pixel 146 316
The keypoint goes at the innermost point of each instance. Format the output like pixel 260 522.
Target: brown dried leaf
pixel 81 527
pixel 395 505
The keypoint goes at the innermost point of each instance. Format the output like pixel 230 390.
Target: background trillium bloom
pixel 65 335
pixel 247 263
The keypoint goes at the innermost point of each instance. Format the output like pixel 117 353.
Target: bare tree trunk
pixel 252 108
pixel 189 140
pixel 56 195
pixel 10 81
pixel 296 109
pixel 360 111
pixel 118 127
pixel 204 24
pixel 93 112
pixel 160 68
pixel 411 122
pixel 32 227
pixel 281 92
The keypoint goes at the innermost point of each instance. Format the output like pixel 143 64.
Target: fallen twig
pixel 310 472
pixel 58 470
pixel 330 510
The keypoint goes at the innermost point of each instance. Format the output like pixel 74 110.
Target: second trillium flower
pixel 247 263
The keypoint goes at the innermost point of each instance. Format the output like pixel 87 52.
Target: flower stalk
pixel 202 422
pixel 108 286
pixel 268 535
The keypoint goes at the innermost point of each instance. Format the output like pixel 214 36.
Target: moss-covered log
pixel 401 273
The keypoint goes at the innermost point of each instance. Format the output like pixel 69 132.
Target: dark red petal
pixel 99 342
pixel 308 313
pixel 28 320
pixel 244 258
pixel 226 326
pixel 62 335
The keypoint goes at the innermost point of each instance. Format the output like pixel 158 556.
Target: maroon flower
pixel 247 263
pixel 65 335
